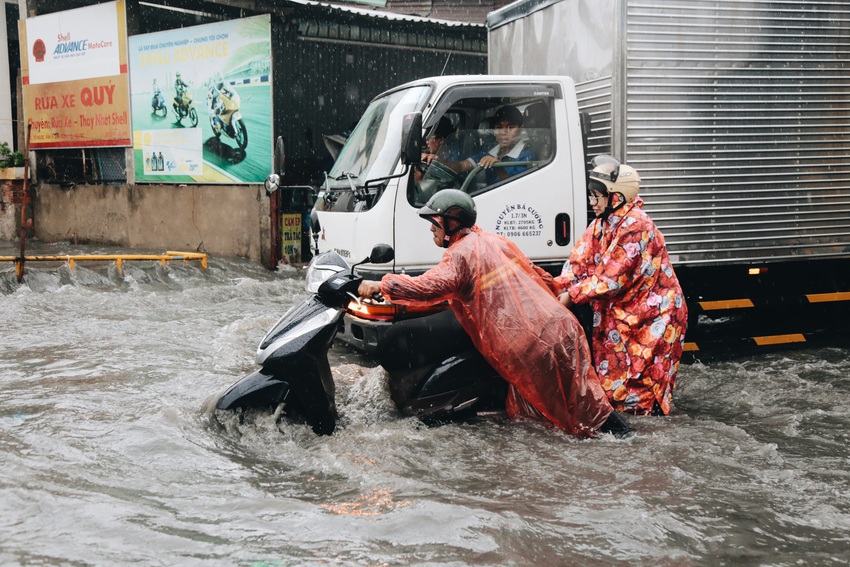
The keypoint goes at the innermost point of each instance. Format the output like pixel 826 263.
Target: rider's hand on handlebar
pixel 565 299
pixel 369 288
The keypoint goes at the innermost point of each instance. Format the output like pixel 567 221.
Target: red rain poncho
pixel 504 303
pixel 621 267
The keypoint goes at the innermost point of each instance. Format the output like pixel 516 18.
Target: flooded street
pixel 111 455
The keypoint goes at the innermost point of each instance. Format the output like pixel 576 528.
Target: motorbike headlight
pixel 323 267
pixel 315 277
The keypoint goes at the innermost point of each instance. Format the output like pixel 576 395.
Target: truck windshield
pixel 374 146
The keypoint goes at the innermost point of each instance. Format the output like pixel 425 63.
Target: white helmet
pixel 609 176
pixel 628 182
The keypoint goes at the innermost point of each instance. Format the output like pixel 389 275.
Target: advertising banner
pixel 291 237
pixel 201 103
pixel 74 75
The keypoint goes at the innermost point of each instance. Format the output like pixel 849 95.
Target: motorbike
pixel 184 106
pixel 158 105
pixel 225 117
pixel 435 373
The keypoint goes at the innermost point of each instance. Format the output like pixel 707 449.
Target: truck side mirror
pixel 272 183
pixel 411 138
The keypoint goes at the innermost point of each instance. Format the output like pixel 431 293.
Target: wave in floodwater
pixel 112 455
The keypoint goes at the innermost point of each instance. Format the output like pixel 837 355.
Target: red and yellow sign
pixel 74 75
pixel 291 237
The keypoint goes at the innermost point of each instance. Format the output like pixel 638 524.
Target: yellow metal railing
pixel 119 259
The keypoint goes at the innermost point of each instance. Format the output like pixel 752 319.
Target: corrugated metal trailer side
pixel 737 116
pixel 735 113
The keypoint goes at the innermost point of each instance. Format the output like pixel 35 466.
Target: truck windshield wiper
pixel 359 192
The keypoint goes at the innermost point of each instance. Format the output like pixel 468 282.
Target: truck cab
pixel 369 196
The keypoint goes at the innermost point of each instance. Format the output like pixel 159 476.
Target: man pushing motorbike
pixel 508 307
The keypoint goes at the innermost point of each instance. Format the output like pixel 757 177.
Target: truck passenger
pixel 620 266
pixel 507 124
pixel 441 151
pixel 436 142
pixel 507 306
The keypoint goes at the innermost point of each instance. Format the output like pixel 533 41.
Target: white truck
pixel 736 114
pixel 366 199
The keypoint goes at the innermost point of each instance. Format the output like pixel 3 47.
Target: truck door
pixel 521 131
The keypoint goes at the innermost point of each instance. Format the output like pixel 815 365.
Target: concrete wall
pixel 11 195
pixel 227 220
pixel 10 216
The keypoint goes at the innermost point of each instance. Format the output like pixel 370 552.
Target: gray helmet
pixel 451 204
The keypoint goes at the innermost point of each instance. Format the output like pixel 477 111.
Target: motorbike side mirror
pixel 381 254
pixel 411 138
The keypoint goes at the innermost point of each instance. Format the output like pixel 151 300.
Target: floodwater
pixel 110 455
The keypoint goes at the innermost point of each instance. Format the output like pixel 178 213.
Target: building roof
pixel 394 14
pixel 461 11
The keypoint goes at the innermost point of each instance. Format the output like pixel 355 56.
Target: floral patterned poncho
pixel 621 267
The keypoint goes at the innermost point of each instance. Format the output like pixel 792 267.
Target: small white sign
pixel 74 44
pixel 173 152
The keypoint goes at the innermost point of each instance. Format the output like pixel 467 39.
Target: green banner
pixel 201 103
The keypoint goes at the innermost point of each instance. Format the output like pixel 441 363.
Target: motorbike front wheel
pixel 161 110
pixel 193 117
pixel 241 134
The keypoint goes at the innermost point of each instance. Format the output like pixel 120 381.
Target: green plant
pixel 8 158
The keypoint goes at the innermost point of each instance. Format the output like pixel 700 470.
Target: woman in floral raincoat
pixel 621 268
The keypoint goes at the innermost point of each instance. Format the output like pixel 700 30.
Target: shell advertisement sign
pixel 74 75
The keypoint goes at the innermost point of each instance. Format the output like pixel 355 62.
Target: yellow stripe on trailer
pixel 779 339
pixel 725 304
pixel 826 297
